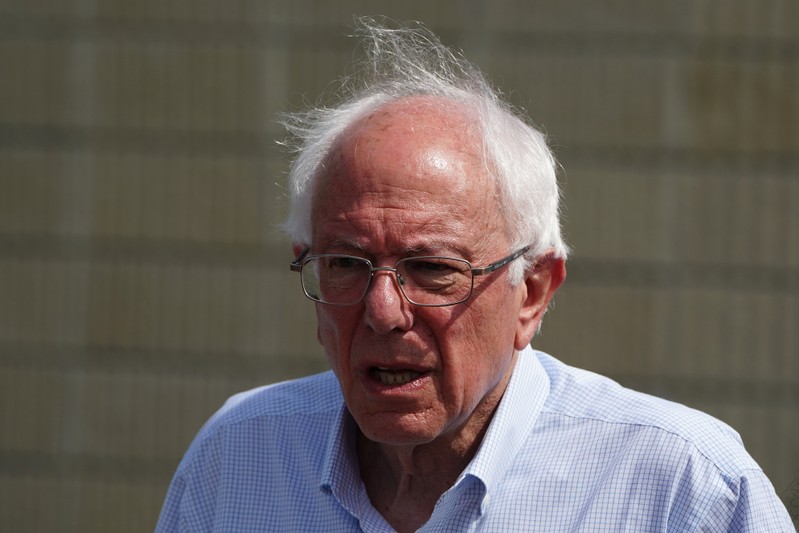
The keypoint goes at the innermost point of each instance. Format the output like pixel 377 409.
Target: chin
pixel 396 430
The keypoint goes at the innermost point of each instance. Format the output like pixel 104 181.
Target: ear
pixel 540 285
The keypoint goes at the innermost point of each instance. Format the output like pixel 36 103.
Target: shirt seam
pixel 727 476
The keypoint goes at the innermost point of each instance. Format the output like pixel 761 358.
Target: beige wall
pixel 143 278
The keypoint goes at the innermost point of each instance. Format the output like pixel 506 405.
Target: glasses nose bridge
pixel 397 275
pixel 400 281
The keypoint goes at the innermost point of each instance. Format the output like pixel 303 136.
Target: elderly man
pixel 425 225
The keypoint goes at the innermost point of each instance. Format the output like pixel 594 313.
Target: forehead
pixel 411 168
pixel 410 134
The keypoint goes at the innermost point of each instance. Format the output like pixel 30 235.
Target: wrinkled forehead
pixel 409 140
pixel 410 171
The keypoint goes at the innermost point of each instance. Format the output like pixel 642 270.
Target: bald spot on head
pixel 422 144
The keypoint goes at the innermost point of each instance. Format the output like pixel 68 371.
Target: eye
pixel 344 262
pixel 436 273
pixel 431 267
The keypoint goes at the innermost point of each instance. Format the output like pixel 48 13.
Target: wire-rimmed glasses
pixel 430 281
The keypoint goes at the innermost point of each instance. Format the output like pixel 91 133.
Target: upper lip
pixel 396 366
pixel 395 356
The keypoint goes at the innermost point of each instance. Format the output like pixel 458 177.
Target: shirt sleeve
pixel 169 520
pixel 192 496
pixel 753 507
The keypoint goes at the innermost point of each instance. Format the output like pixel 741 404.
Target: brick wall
pixel 143 278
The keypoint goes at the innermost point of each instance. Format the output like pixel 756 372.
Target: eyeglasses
pixel 430 281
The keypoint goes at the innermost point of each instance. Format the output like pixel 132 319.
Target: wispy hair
pixel 408 61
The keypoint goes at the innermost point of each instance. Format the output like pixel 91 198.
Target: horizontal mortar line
pixel 583 271
pixel 266 33
pixel 263 145
pixel 143 251
pixel 237 369
pixel 728 162
pixel 715 390
pixel 194 364
pixel 139 361
pixel 244 144
pixel 86 466
pixel 668 44
pixel 635 273
pixel 156 33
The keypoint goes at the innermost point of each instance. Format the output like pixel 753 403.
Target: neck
pixel 404 482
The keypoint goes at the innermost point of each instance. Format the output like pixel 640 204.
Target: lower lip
pixel 374 385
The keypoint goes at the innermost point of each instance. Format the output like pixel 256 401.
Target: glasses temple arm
pixel 501 263
pixel 296 265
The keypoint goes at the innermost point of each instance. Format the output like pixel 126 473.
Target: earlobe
pixel 540 284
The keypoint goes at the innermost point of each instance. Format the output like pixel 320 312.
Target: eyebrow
pixel 340 243
pixel 437 249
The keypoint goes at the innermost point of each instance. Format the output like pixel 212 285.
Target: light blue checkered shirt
pixel 567 450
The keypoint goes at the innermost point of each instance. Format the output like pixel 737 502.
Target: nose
pixel 385 307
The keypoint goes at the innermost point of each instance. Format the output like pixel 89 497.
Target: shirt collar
pixel 515 417
pixel 513 421
pixel 340 471
pixel 341 476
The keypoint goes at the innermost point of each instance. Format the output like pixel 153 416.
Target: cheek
pixel 482 325
pixel 480 341
pixel 334 332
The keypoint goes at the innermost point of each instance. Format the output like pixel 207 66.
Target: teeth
pixel 388 377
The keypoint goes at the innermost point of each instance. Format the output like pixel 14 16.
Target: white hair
pixel 410 61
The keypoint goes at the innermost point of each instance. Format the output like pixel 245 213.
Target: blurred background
pixel 143 277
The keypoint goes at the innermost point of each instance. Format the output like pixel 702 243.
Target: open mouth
pixel 394 377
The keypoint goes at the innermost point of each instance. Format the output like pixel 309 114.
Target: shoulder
pixel 617 438
pixel 597 400
pixel 299 397
pixel 259 446
pixel 300 411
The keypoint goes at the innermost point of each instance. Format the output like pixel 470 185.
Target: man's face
pixel 408 180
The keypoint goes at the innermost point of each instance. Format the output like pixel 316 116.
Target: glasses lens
pixel 335 279
pixel 435 280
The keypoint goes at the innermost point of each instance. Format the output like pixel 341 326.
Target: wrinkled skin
pixel 409 180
